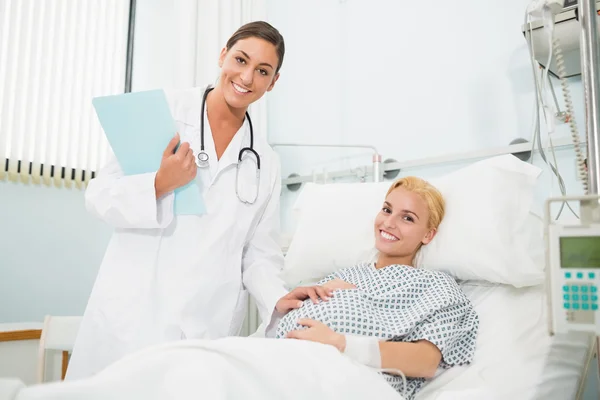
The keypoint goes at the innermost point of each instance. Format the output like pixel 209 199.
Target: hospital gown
pixel 397 303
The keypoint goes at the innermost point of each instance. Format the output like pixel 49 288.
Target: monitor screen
pixel 580 252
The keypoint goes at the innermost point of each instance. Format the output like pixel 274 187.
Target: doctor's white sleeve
pixel 263 258
pixel 127 201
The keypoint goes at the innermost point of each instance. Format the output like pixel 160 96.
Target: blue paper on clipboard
pixel 138 127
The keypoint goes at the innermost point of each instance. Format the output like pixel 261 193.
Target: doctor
pixel 168 277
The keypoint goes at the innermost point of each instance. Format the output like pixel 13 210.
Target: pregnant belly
pixel 348 311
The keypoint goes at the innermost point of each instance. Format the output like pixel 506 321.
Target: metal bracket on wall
pixel 393 173
pixel 292 187
pixel 523 155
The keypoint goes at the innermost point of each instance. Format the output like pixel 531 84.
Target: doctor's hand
pixel 337 284
pixel 294 299
pixel 177 168
pixel 318 332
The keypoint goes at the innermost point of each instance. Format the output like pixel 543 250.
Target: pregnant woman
pixel 388 314
pixel 382 316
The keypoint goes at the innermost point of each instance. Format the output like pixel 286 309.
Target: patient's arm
pixel 415 359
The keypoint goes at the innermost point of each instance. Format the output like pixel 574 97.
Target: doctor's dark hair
pixel 261 30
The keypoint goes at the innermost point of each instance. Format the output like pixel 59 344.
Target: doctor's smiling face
pixel 408 219
pixel 250 64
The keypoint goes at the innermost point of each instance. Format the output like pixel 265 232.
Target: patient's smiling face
pixel 402 226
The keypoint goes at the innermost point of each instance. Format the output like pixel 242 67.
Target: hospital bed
pixel 515 358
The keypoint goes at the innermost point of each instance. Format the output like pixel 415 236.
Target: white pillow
pixel 485 235
pixel 334 229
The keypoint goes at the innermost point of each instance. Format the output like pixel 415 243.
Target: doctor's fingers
pixel 323 292
pixel 190 170
pixel 183 150
pixel 285 305
pixel 338 284
pixel 171 146
pixel 188 160
pixel 314 292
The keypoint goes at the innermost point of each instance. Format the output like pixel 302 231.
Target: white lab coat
pixel 166 277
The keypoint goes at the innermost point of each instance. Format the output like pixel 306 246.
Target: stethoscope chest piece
pixel 202 159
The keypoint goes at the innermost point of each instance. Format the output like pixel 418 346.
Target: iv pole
pixel 590 61
pixel 590 64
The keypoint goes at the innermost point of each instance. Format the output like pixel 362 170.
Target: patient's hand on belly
pixel 337 284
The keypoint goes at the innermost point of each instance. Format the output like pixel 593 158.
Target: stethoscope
pixel 202 159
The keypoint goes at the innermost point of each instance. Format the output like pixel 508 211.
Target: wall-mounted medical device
pixel 567 30
pixel 574 266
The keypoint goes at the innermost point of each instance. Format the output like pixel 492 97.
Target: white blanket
pixel 232 368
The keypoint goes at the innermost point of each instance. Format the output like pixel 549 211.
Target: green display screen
pixel 580 252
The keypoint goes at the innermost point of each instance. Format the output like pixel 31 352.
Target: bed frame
pixel 523 150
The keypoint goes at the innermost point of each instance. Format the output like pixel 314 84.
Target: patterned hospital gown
pixel 397 303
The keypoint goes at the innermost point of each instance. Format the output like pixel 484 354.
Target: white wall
pixel 415 79
pixel 154 48
pixel 50 250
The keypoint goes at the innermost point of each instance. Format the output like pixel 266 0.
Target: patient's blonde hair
pixel 432 197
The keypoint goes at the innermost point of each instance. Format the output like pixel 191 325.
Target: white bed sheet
pixel 516 358
pixel 223 369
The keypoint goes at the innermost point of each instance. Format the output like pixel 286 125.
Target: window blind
pixel 55 56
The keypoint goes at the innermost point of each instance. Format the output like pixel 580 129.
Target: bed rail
pixel 390 168
pixel 375 169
